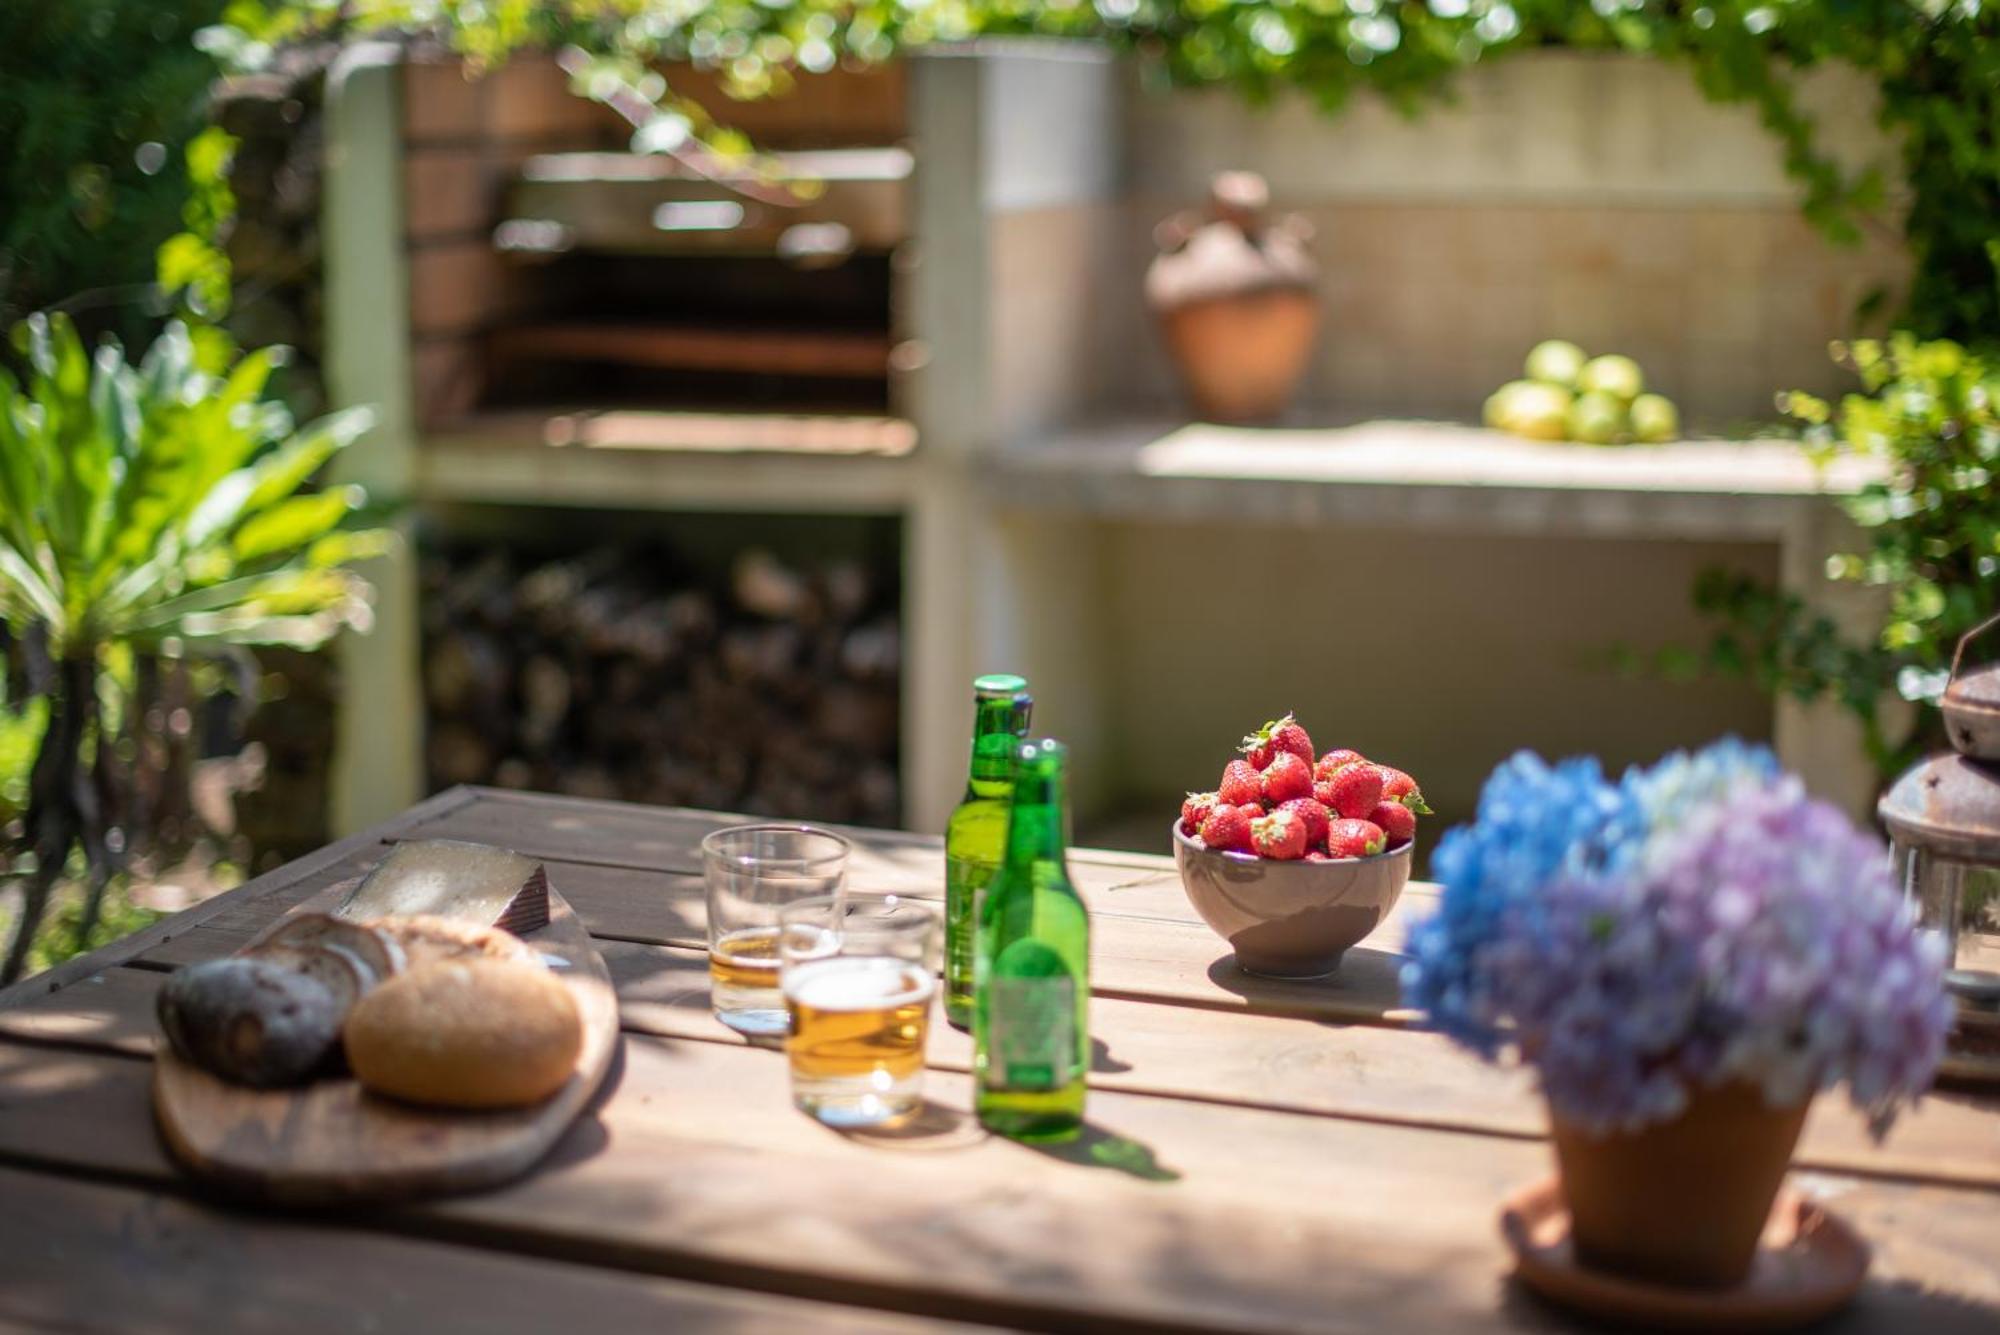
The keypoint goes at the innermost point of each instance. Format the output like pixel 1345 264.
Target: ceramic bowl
pixel 1290 919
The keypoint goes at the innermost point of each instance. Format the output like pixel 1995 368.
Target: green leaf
pixel 296 632
pixel 294 523
pixel 185 260
pixel 298 587
pixel 283 471
pixel 160 501
pixel 21 468
pixel 23 587
pixel 344 547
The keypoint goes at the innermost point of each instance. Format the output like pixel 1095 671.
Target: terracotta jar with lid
pixel 1234 295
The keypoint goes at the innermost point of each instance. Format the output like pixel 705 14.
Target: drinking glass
pixel 750 872
pixel 859 976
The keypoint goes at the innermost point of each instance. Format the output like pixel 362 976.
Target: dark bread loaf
pixel 335 968
pixel 375 949
pixel 250 1020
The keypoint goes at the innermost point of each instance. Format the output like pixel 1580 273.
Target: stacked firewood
pixel 772 691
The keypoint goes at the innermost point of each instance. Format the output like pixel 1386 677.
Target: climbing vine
pixel 1936 62
pixel 1928 418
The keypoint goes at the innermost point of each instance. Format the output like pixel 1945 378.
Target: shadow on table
pixel 937 1127
pixel 934 1127
pixel 1368 980
pixel 585 1140
pixel 1102 1062
pixel 1898 1305
pixel 1098 1148
pixel 587 1137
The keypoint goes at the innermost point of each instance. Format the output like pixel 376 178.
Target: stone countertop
pixel 1422 474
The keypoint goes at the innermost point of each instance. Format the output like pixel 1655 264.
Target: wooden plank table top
pixel 1260 1156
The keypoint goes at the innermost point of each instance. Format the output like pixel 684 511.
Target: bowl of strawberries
pixel 1295 857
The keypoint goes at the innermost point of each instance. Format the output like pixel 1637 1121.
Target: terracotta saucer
pixel 1808 1265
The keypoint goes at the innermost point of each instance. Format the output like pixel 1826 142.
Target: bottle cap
pixel 999 684
pixel 1043 753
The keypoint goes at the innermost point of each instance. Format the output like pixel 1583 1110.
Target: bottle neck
pixel 997 730
pixel 1038 826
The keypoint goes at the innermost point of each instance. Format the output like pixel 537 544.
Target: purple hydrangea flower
pixel 1699 922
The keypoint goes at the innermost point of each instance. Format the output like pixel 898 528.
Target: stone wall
pixel 1586 196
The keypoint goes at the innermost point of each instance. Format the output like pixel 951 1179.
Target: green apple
pixel 1555 363
pixel 1611 374
pixel 1499 411
pixel 1534 410
pixel 1655 419
pixel 1597 418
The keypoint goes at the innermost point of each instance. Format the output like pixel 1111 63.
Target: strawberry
pixel 1288 735
pixel 1336 760
pixel 1227 829
pixel 1241 785
pixel 1355 839
pixel 1276 738
pixel 1400 787
pixel 1194 811
pixel 1323 792
pixel 1398 822
pixel 1287 777
pixel 1280 835
pixel 1316 817
pixel 1356 789
pixel 1315 855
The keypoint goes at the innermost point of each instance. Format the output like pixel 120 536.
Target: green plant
pixel 20 733
pixel 151 513
pixel 1937 64
pixel 66 933
pixel 1929 419
pixel 192 264
pixel 98 99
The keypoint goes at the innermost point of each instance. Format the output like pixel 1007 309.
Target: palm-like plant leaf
pixel 162 502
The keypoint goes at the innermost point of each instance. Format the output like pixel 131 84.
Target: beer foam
pixel 848 983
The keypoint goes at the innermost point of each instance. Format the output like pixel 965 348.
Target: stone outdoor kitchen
pixel 964 450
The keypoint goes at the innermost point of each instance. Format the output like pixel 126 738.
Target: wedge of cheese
pixel 473 883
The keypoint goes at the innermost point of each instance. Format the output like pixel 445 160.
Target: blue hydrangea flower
pixel 1697 922
pixel 1535 820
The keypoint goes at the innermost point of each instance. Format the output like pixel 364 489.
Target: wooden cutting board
pixel 331 1143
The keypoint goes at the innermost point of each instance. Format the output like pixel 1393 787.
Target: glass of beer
pixel 859 979
pixel 751 872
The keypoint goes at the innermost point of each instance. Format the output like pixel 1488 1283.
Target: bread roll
pixel 472 1033
pixel 427 940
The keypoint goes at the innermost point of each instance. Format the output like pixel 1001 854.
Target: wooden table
pixel 1261 1156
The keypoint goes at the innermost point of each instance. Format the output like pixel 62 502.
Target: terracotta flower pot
pixel 1682 1202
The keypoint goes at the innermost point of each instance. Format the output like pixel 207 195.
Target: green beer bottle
pixel 977 833
pixel 1031 1033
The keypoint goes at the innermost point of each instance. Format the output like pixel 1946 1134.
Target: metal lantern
pixel 1944 820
